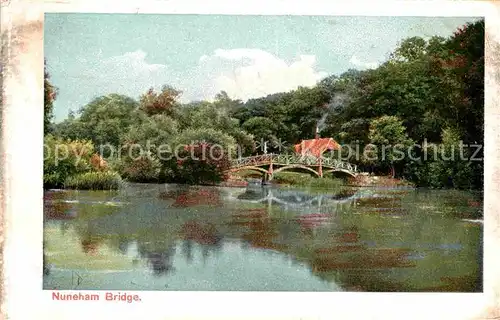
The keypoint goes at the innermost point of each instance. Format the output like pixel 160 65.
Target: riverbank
pixel 294 179
pixel 91 180
pixel 379 181
pixel 306 180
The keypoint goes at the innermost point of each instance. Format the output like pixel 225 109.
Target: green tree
pixel 449 164
pixel 65 158
pixel 389 135
pixel 106 119
pixel 201 163
pixel 50 93
pixel 155 131
pixel 205 135
pixel 410 49
pixel 264 131
pixel 213 116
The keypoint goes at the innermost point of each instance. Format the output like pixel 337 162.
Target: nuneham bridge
pixel 270 164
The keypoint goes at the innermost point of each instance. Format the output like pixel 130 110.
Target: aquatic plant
pixel 94 181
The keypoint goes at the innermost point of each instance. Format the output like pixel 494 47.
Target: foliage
pixel 202 164
pixel 49 95
pixel 73 164
pixel 63 158
pixel 389 135
pixel 215 138
pixel 145 168
pixel 264 130
pixel 447 165
pixel 150 134
pixel 159 103
pixel 93 180
pixel 217 117
pixel 103 121
pixel 427 89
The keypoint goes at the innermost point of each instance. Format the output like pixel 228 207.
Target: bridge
pixel 270 164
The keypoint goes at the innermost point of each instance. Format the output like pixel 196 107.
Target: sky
pixel 90 55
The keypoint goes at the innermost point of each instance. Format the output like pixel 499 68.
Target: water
pixel 168 237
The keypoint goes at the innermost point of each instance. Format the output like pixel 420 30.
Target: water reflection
pixel 189 197
pixel 360 240
pixel 160 262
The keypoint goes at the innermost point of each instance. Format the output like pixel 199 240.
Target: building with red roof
pixel 316 147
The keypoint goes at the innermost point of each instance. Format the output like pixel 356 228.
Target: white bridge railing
pixel 291 159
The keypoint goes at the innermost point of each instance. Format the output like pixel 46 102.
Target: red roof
pixel 316 147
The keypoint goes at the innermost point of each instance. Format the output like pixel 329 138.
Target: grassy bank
pixel 94 181
pixel 295 179
pixel 306 180
pixel 379 181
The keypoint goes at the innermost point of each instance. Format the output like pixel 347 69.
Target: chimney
pixel 316 135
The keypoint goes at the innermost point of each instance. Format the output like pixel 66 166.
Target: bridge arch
pixel 294 166
pixel 344 171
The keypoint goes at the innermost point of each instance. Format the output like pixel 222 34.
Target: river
pixel 171 237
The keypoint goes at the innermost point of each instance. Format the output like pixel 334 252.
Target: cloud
pixel 364 65
pixel 134 63
pixel 243 73
pixel 203 58
pixel 247 73
pixel 128 74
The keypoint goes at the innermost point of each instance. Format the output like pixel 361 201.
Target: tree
pixel 426 85
pixel 452 168
pixel 205 135
pixel 223 101
pixel 64 158
pixel 156 130
pixel 212 116
pixel 143 168
pixel 201 163
pixel 389 135
pixel 50 93
pixel 105 119
pixel 163 102
pixel 410 49
pixel 264 131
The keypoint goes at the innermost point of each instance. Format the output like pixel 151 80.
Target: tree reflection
pixel 55 207
pixel 189 197
pixel 260 231
pixel 46 269
pixel 123 245
pixel 205 235
pixel 187 250
pixel 365 247
pixel 159 260
pixel 89 244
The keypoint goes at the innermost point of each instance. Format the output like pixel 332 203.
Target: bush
pixel 143 169
pixel 201 166
pixel 94 181
pixel 64 158
pixel 74 164
pixel 441 173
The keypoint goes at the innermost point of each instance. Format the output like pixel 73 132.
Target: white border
pixel 23 180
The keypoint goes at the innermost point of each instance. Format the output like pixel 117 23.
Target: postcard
pixel 264 160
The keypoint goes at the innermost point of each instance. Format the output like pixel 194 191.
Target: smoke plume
pixel 337 101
